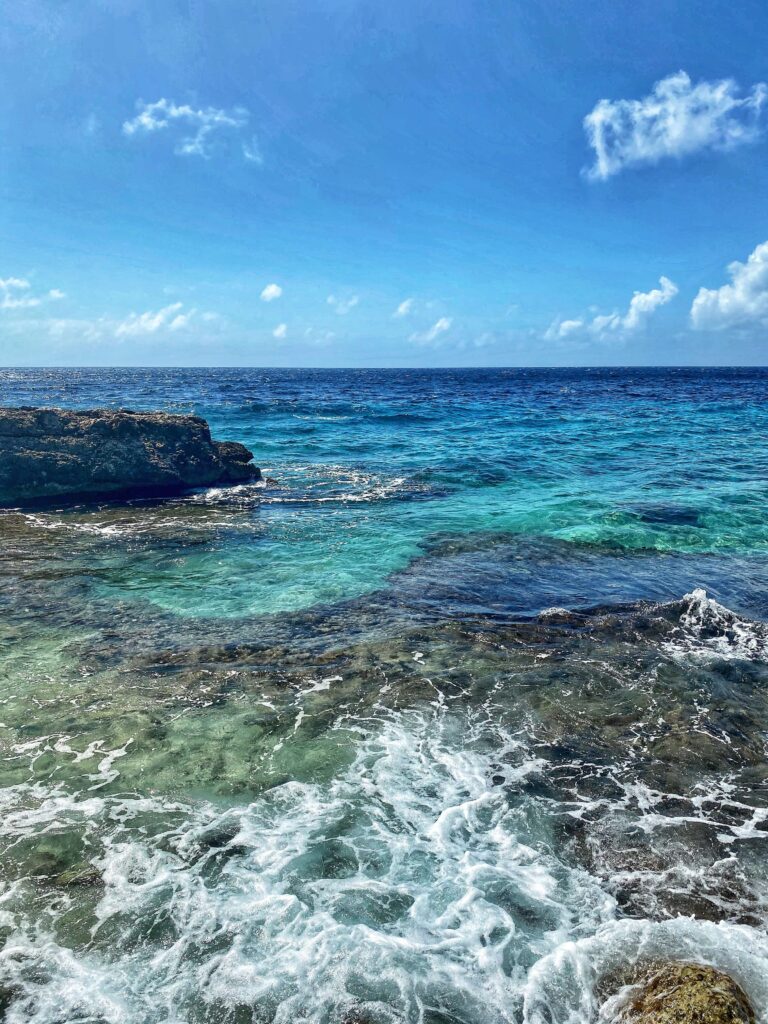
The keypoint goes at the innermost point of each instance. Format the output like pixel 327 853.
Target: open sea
pixel 453 723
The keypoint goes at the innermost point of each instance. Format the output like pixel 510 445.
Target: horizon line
pixel 253 366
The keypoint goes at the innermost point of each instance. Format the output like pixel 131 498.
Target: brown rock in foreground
pixel 679 993
pixel 52 453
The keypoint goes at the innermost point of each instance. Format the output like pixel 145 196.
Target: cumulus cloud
pixel 280 331
pixel 676 119
pixel 16 293
pixel 404 308
pixel 642 305
pixel 271 292
pixel 170 318
pixel 343 306
pixel 199 126
pixel 742 302
pixel 433 333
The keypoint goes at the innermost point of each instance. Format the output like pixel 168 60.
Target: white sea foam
pixel 709 630
pixel 409 882
pixel 420 879
pixel 562 987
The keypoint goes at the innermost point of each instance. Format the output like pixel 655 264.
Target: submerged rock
pixel 679 993
pixel 51 453
pixel 82 874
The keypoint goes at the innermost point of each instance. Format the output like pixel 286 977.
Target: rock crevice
pixel 60 453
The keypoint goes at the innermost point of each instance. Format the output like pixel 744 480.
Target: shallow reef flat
pixel 572 771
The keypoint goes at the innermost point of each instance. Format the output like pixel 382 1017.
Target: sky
pixel 361 183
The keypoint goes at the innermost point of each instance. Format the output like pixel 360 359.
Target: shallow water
pixel 464 713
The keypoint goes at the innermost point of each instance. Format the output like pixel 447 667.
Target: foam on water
pixel 424 883
pixel 409 887
pixel 564 986
pixel 710 630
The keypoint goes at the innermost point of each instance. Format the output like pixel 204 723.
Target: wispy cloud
pixel 271 292
pixel 170 318
pixel 280 331
pixel 316 336
pixel 405 307
pixel 741 303
pixel 199 127
pixel 169 322
pixel 252 151
pixel 642 305
pixel 77 328
pixel 431 335
pixel 343 306
pixel 676 119
pixel 16 293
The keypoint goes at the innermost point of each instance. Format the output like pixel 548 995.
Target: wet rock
pixel 52 453
pixel 82 874
pixel 7 998
pixel 679 993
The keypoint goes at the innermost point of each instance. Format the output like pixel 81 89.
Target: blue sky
pixel 352 182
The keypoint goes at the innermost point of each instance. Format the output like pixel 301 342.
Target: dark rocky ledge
pixel 57 453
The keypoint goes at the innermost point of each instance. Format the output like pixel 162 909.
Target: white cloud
pixel 641 306
pixel 252 151
pixel 644 304
pixel 741 303
pixel 16 293
pixel 165 323
pixel 271 292
pixel 280 331
pixel 343 306
pixel 433 333
pixel 404 308
pixel 204 122
pixel 677 118
pixel 170 318
pixel 61 329
pixel 566 327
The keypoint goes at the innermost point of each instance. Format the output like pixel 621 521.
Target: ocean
pixel 452 721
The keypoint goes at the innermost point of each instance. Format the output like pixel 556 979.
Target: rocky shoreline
pixel 682 993
pixel 60 453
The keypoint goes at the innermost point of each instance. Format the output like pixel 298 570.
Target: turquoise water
pixel 374 468
pixel 463 710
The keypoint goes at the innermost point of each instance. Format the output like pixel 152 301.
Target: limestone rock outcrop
pixel 53 453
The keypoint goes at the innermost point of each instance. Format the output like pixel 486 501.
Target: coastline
pixel 301 726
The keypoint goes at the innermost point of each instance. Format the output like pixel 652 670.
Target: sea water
pixel 456 720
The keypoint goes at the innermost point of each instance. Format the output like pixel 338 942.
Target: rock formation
pixel 52 453
pixel 680 993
